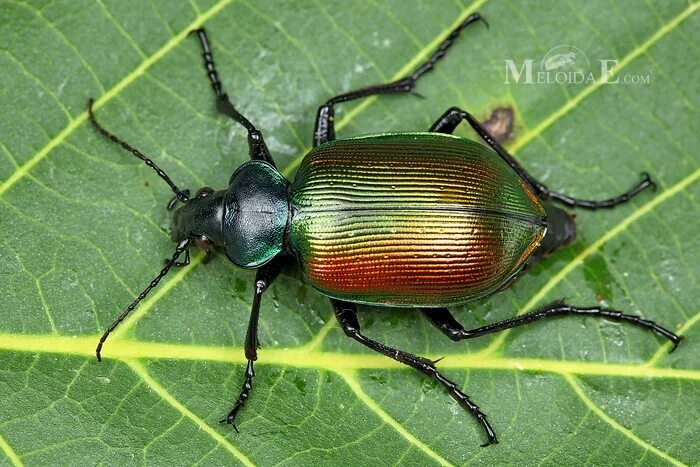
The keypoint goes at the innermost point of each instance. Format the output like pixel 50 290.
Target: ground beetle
pixel 422 220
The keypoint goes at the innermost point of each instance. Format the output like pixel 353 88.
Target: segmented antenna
pixel 181 247
pixel 179 194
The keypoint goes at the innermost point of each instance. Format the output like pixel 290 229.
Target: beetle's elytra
pixel 420 220
pixel 406 202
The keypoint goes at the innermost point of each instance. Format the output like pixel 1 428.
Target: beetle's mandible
pixel 421 220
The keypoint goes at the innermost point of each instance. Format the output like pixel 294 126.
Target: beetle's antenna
pixel 179 194
pixel 181 247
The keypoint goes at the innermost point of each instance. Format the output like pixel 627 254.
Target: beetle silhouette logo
pixel 565 58
pixel 559 60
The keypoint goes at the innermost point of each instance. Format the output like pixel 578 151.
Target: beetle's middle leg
pixel 256 144
pixel 442 319
pixel 346 313
pixel 264 277
pixel 325 116
pixel 449 121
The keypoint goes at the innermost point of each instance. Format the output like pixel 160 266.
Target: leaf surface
pixel 84 230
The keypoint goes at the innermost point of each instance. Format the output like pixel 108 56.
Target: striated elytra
pixel 420 220
pixel 414 219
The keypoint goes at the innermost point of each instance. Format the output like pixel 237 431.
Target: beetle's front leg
pixel 256 144
pixel 266 274
pixel 325 116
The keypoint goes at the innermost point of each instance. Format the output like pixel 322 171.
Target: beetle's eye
pixel 203 242
pixel 204 191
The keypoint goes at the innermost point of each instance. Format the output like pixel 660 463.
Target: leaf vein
pixel 615 425
pixel 9 452
pixel 25 168
pixel 127 349
pixel 353 383
pixel 141 371
pixel 50 24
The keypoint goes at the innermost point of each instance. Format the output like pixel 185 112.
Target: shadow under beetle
pixel 421 220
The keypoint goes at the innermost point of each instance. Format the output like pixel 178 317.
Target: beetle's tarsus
pixel 231 417
pixel 492 439
pixel 490 442
pixel 646 178
pixel 488 26
pixel 230 420
pixel 676 342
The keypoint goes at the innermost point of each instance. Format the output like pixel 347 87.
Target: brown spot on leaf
pixel 500 123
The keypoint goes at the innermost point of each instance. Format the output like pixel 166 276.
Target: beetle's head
pixel 200 219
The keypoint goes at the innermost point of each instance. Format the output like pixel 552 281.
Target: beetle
pixel 421 220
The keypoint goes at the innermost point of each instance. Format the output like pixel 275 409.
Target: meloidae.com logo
pixel 566 64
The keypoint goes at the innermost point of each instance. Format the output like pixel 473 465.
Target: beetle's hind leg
pixel 347 317
pixel 325 116
pixel 442 319
pixel 256 143
pixel 449 121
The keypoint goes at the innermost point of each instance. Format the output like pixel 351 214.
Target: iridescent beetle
pixel 421 220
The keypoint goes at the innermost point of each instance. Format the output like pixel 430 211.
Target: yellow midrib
pixel 127 349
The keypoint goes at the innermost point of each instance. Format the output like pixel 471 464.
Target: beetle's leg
pixel 449 121
pixel 346 313
pixel 180 264
pixel 263 279
pixel 208 256
pixel 325 124
pixel 442 319
pixel 256 143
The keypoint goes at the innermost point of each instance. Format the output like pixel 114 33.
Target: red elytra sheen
pixel 411 219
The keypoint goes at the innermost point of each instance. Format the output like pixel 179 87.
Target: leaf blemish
pixel 501 123
pixel 300 385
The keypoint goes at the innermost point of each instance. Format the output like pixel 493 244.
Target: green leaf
pixel 84 230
